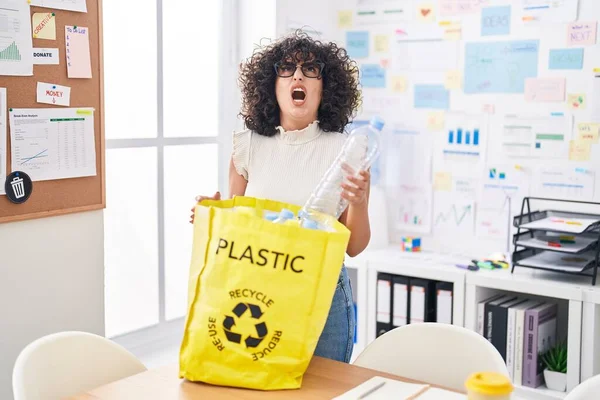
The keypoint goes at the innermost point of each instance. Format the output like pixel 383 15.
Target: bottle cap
pixel 491 383
pixel 286 214
pixel 271 216
pixel 309 224
pixel 377 123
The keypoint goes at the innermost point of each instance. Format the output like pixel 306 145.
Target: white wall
pixel 51 279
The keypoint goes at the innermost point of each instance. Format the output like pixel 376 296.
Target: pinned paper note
pixel 357 44
pixel 435 120
pixel 579 150
pixel 345 19
pixel 442 181
pixel 565 59
pixel 382 43
pixel 432 96
pixel 581 33
pixel 77 44
pixel 56 95
pixel 489 108
pixel 453 80
pixel 45 56
pixel 452 31
pixel 372 76
pixel 399 84
pixel 588 131
pixel 545 89
pixel 44 26
pixel 576 101
pixel 495 21
pixel 384 62
pixel 426 12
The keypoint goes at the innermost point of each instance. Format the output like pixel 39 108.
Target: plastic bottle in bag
pixel 358 153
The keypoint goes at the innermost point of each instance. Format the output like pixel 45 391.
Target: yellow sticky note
pixel 452 31
pixel 442 181
pixel 577 101
pixel 399 84
pixel 345 19
pixel 44 26
pixel 588 132
pixel 426 12
pixel 85 112
pixel 579 150
pixel 435 120
pixel 453 80
pixel 382 43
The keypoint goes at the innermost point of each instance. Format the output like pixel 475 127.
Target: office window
pixel 161 79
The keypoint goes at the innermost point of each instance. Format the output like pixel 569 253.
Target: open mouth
pixel 298 95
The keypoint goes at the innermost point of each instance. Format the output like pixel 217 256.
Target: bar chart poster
pixel 412 208
pixel 464 142
pixel 16 52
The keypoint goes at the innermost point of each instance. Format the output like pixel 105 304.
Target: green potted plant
pixel 555 372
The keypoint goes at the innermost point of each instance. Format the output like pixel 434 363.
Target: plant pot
pixel 555 380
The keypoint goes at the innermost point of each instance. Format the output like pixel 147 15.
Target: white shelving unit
pixel 579 302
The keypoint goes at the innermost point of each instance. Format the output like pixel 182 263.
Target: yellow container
pixel 488 386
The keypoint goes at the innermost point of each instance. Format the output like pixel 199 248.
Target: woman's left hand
pixel 356 192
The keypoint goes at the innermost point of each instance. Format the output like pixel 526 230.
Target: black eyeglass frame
pixel 320 64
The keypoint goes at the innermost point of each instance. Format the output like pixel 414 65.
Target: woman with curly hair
pixel 298 95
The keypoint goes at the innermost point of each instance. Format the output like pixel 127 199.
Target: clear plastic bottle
pixel 358 153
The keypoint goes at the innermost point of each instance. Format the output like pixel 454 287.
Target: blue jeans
pixel 337 339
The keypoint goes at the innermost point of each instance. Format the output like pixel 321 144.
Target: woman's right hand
pixel 216 196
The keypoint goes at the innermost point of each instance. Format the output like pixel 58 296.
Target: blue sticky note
pixel 357 44
pixel 500 67
pixel 495 21
pixel 432 96
pixel 566 59
pixel 372 76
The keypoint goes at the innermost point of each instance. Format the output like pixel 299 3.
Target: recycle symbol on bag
pixel 246 310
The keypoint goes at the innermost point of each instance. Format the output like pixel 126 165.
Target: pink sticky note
pixel 581 33
pixel 545 89
pixel 77 43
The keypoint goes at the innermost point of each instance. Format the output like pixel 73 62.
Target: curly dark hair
pixel 340 97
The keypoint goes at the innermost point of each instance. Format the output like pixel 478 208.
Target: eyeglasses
pixel 309 69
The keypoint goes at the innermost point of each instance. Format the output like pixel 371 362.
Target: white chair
pixel 439 354
pixel 586 390
pixel 67 363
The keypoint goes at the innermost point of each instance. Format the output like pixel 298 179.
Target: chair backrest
pixel 586 390
pixel 439 354
pixel 67 363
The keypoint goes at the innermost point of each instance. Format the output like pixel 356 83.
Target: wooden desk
pixel 324 379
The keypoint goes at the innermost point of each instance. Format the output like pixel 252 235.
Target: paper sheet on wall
pixel 3 139
pixel 460 7
pixel 545 89
pixel 48 143
pixel 564 183
pixel 581 33
pixel 378 12
pixel 69 5
pixel 543 136
pixel 500 67
pixel 454 213
pixel 407 156
pixel 548 11
pixel 16 56
pixel 595 98
pixel 464 142
pixel 411 208
pixel 503 188
pixel 44 26
pixel 434 55
pixel 77 44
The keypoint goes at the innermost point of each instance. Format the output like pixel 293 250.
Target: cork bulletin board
pixel 62 196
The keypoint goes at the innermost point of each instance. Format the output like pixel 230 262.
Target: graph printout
pixel 53 143
pixel 16 54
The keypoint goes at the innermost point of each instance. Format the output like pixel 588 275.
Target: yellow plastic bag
pixel 259 295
